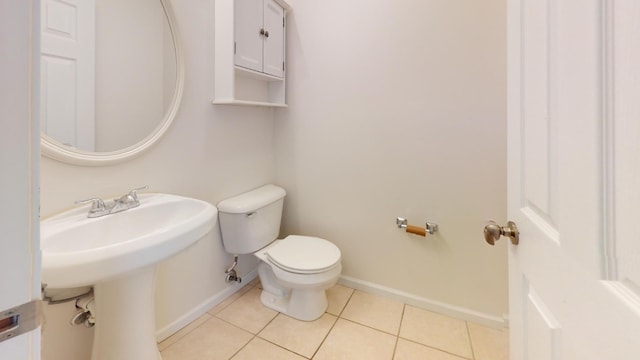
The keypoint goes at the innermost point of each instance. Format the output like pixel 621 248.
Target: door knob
pixel 493 231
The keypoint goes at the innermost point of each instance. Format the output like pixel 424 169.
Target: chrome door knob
pixel 493 231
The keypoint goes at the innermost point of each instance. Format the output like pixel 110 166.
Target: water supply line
pixel 231 272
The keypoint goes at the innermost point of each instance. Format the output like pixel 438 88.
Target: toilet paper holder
pixel 430 227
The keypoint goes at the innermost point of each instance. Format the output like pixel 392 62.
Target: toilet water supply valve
pixel 231 272
pixel 84 315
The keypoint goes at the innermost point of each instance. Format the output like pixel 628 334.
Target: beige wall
pixel 397 108
pixel 210 152
pixel 130 71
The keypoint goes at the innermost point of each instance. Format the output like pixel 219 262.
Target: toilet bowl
pixel 295 271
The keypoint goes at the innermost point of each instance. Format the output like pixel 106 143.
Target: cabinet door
pixel 248 23
pixel 274 43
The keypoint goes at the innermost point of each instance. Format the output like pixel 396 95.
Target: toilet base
pixel 305 302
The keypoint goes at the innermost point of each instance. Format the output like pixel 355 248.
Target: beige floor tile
pixel 489 344
pixel 263 350
pixel 248 313
pixel 374 311
pixel 302 337
pixel 408 350
pixel 215 339
pixel 182 332
pixel 228 301
pixel 338 297
pixel 435 330
pixel 255 282
pixel 348 340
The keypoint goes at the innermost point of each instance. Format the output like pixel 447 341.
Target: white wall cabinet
pixel 250 52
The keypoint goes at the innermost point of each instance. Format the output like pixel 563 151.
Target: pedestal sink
pixel 117 254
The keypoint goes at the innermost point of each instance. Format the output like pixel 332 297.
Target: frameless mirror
pixel 111 78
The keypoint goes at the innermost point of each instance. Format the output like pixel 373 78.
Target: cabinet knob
pixel 261 31
pixel 266 34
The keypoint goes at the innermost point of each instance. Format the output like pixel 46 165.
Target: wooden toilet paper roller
pixel 417 230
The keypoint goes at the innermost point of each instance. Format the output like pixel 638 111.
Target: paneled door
pixel 273 52
pixel 19 161
pixel 68 71
pixel 249 30
pixel 574 179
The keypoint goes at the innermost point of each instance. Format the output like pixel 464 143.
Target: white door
pixel 574 179
pixel 19 161
pixel 274 41
pixel 249 33
pixel 68 71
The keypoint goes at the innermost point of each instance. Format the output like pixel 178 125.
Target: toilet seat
pixel 303 254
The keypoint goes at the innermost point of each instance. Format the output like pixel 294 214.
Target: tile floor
pixel 357 325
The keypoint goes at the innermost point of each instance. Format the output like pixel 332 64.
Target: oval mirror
pixel 111 78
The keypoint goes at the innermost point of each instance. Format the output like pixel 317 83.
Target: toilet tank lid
pixel 252 200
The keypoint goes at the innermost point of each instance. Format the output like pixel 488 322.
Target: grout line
pixel 369 327
pixel 347 302
pixel 326 336
pixel 438 349
pixel 179 338
pixel 235 326
pixel 281 347
pixel 473 355
pixel 334 323
pixel 268 322
pixel 242 347
pixel 395 347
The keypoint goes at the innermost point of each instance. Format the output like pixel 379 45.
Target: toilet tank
pixel 251 221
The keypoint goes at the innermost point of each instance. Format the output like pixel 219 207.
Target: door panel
pixel 574 166
pixel 68 71
pixel 624 124
pixel 536 111
pixel 274 44
pixel 543 332
pixel 248 22
pixel 19 161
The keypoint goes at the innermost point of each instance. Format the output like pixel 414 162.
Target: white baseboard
pixel 203 307
pixel 427 304
pixel 410 299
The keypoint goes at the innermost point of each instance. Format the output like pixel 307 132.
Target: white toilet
pixel 295 271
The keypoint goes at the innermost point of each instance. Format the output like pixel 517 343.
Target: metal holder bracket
pixel 430 227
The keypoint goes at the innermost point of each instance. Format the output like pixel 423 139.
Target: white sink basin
pixel 117 254
pixel 78 251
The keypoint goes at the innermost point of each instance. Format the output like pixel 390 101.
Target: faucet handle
pixel 131 198
pixel 134 192
pixel 97 205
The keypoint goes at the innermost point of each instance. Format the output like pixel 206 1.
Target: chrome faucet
pixel 128 201
pixel 100 208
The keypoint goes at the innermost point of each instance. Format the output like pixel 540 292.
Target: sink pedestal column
pixel 125 319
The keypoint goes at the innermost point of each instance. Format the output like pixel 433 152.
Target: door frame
pixel 20 257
